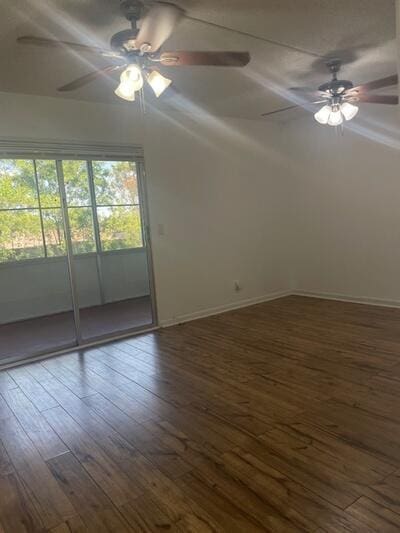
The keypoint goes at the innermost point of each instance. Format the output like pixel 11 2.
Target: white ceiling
pixel 361 32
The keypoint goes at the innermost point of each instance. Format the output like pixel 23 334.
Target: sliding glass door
pixel 108 246
pixel 36 309
pixel 74 257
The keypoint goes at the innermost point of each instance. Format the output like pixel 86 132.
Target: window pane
pixel 17 184
pixel 54 232
pixel 20 235
pixel 82 233
pixel 120 227
pixel 76 183
pixel 115 182
pixel 48 183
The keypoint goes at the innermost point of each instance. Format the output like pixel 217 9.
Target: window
pixel 80 206
pixel 117 201
pixel 50 208
pixel 20 223
pixel 102 202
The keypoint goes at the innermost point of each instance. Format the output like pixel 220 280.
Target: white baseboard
pixel 273 296
pixel 224 308
pixel 381 302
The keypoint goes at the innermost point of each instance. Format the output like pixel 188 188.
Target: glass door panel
pixel 36 311
pixel 109 252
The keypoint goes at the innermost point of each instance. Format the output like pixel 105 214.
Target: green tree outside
pixel 21 226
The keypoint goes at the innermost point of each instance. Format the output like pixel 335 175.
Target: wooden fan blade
pixel 391 99
pixel 376 84
pixel 209 59
pixel 83 80
pixel 293 107
pixel 309 93
pixel 51 43
pixel 279 110
pixel 158 25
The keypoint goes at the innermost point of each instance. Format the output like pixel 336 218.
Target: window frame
pixel 93 206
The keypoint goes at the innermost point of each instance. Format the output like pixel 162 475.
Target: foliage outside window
pixel 103 216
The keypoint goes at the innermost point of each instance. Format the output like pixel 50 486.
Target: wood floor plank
pixel 146 516
pixel 5 462
pixel 136 434
pixel 386 492
pixel 17 512
pixel 6 381
pixel 72 381
pixel 108 387
pixel 322 447
pixel 295 502
pixel 233 518
pixel 367 431
pixel 179 507
pixel 151 405
pixel 375 516
pixel 32 389
pixel 324 479
pixel 99 466
pixel 95 508
pixel 72 525
pixel 5 411
pixel 51 503
pixel 38 430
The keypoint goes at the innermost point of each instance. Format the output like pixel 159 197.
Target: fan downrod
pixel 334 67
pixel 335 87
pixel 124 41
pixel 132 10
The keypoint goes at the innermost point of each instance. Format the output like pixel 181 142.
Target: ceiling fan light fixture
pixel 348 110
pixel 158 82
pixel 322 116
pixel 131 81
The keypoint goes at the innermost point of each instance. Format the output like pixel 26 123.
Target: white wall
pixel 346 198
pixel 218 188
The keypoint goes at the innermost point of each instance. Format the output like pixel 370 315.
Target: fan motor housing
pixel 336 86
pixel 124 40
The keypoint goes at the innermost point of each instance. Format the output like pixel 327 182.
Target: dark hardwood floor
pixel 284 416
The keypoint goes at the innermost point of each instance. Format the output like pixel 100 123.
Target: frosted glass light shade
pixel 335 118
pixel 158 82
pixel 348 110
pixel 323 114
pixel 131 81
pixel 125 92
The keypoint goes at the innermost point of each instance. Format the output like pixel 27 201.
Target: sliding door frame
pixel 146 238
pixel 59 152
pixel 70 258
pixel 145 218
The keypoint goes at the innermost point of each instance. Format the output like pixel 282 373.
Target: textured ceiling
pixel 361 32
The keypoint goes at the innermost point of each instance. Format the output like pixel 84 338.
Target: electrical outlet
pixel 237 285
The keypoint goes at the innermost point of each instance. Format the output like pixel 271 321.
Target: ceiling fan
pixel 136 51
pixel 341 96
